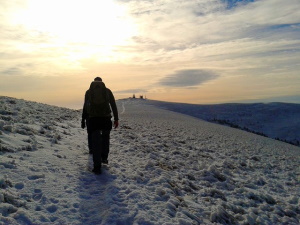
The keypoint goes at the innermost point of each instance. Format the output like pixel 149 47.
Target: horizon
pixel 199 52
pixel 294 100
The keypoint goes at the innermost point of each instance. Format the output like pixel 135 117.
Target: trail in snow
pixel 123 108
pixel 164 168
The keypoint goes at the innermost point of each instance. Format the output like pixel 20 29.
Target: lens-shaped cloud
pixel 188 78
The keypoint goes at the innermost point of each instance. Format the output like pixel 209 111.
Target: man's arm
pixel 84 111
pixel 113 105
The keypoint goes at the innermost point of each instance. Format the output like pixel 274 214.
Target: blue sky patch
pixel 289 25
pixel 235 3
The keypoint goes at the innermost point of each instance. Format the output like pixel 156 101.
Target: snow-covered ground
pixel 276 120
pixel 164 168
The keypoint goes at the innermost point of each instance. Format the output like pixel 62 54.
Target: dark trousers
pixel 100 146
pixel 89 134
pixel 100 134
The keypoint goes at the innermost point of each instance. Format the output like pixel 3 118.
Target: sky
pixel 200 51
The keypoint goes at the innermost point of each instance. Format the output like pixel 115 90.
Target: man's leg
pixel 97 149
pixel 105 145
pixel 89 136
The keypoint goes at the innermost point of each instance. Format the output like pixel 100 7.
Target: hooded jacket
pixel 112 104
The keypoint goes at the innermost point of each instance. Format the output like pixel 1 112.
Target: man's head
pixel 98 79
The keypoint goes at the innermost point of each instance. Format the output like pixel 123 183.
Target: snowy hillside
pixel 275 120
pixel 164 168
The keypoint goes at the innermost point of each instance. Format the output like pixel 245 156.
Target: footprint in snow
pixel 19 186
pixel 35 177
pixel 52 208
pixel 37 195
pixel 54 200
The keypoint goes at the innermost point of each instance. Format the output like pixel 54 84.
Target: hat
pixel 98 79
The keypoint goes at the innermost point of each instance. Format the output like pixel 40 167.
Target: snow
pixel 275 120
pixel 164 168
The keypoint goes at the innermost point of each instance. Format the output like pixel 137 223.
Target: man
pixel 85 122
pixel 85 118
pixel 97 117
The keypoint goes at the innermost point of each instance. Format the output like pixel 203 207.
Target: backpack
pixel 98 100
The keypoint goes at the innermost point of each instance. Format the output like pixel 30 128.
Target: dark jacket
pixel 112 104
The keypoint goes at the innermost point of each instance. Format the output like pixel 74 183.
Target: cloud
pixel 188 78
pixel 11 71
pixel 17 69
pixel 131 91
pixel 182 24
pixel 287 99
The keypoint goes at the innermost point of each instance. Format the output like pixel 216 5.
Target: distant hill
pixel 276 120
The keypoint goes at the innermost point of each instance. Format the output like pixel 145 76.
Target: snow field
pixel 164 168
pixel 275 120
pixel 218 174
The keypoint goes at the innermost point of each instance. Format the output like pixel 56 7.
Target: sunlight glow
pixel 98 24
